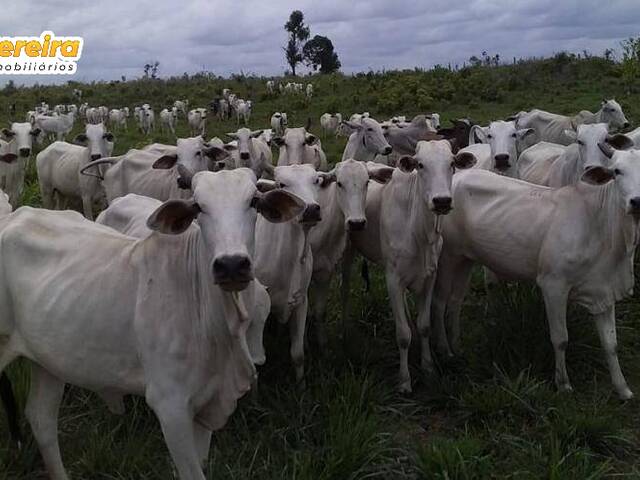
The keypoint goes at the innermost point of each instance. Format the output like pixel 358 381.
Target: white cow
pixel 197 121
pixel 182 106
pixel 309 91
pixel 271 87
pixel 299 147
pixel 250 152
pixel 342 203
pixel 243 111
pixel 17 153
pixel 577 242
pixel 404 137
pixel 402 236
pixel 279 123
pixel 59 169
pixel 556 165
pixel 283 260
pixel 266 136
pixel 551 127
pixel 169 119
pixel 146 119
pixel 330 122
pixel 498 147
pixel 160 317
pixel 366 141
pixel 635 137
pixel 56 127
pixel 118 119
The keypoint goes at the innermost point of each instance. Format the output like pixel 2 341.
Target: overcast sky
pixel 226 36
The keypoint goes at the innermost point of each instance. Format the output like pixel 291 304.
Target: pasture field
pixel 491 413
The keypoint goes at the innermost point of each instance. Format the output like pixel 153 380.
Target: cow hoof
pixel 565 388
pixel 625 394
pixel 405 387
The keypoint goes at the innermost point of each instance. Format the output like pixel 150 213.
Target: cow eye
pixel 579 142
pixel 420 166
pixel 281 185
pixel 339 184
pixel 369 129
pixel 513 135
pixel 198 153
pixel 617 171
pixel 489 136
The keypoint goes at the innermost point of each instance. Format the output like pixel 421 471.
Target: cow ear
pixel 606 149
pixel 255 133
pixel 327 178
pixel 620 141
pixel 407 163
pixel 165 162
pixel 380 173
pixel 464 160
pixel 35 132
pixel 477 134
pixel 278 141
pixel 278 205
pixel 597 175
pixel 81 139
pixel 108 137
pixel 173 216
pixel 232 135
pixel 265 185
pixel 571 134
pixel 229 147
pixel 310 139
pixel 216 153
pixel 524 133
pixel 8 158
pixel 7 133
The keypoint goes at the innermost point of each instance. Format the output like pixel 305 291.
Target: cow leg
pixel 606 324
pixel 555 299
pixel 177 426
pixel 403 330
pixel 42 408
pixel 202 437
pixel 321 283
pixel 297 324
pixel 424 323
pixel 87 207
pixel 46 192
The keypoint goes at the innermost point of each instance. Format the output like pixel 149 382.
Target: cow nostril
pixel 25 152
pixel 442 202
pixel 357 225
pixel 96 156
pixel 244 156
pixel 232 267
pixel 386 151
pixel 626 125
pixel 311 213
pixel 635 202
pixel 502 160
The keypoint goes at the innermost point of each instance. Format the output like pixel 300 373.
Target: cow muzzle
pixel 501 162
pixel 386 150
pixel 356 224
pixel 244 155
pixel 634 206
pixel 232 272
pixel 95 156
pixel 24 152
pixel 311 214
pixel 442 205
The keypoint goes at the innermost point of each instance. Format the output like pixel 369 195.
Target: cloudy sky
pixel 226 36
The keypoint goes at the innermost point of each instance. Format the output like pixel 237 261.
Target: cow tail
pixel 10 407
pixel 364 272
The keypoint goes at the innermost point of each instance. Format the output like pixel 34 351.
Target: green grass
pixel 494 413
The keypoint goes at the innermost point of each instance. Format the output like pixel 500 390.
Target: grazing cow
pixel 498 150
pixel 59 166
pixel 182 106
pixel 342 203
pixel 577 242
pixel 556 165
pixel 283 260
pixel 271 87
pixel 55 127
pixel 160 317
pixel 197 121
pixel 14 161
pixel 279 123
pixel 299 147
pixel 146 119
pixel 366 141
pixel 161 171
pixel 250 152
pixel 458 135
pixel 169 119
pixel 118 118
pixel 243 111
pixel 402 236
pixel 330 122
pixel 551 127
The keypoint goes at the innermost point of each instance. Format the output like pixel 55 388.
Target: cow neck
pixel 332 214
pixel 422 220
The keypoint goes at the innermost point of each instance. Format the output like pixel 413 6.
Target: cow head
pixel 295 140
pixel 588 137
pixel 98 141
pixel 624 170
pixel 611 113
pixel 20 137
pixel 371 136
pixel 434 164
pixel 303 181
pixel 225 204
pixel 245 137
pixel 192 155
pixel 503 138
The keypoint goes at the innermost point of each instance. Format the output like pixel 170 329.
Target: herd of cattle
pixel 166 294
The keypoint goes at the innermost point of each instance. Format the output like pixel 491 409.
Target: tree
pixel 298 33
pixel 151 69
pixel 630 62
pixel 318 53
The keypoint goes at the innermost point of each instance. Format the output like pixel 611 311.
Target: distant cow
pixel 366 141
pixel 298 147
pixel 330 122
pixel 197 121
pixel 169 119
pixel 18 150
pixel 279 123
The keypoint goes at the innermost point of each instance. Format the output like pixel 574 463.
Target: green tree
pixel 319 53
pixel 298 33
pixel 631 62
